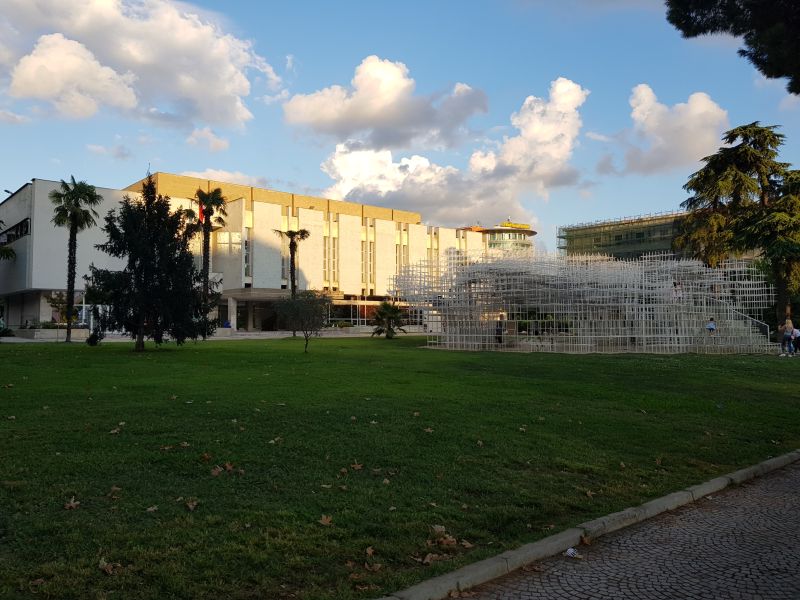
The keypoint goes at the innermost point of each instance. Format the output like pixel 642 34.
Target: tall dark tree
pixel 159 292
pixel 74 209
pixel 744 199
pixel 770 30
pixel 211 212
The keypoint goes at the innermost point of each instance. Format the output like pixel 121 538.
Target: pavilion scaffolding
pixel 590 303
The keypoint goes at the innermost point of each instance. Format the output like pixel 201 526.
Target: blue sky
pixel 549 112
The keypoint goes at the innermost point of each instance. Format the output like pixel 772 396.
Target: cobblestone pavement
pixel 743 544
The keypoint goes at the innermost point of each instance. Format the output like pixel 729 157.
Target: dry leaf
pixel 586 540
pixel 356 466
pixel 228 467
pixel 621 465
pixel 216 471
pixel 165 447
pixel 191 505
pixel 205 457
pixel 386 482
pixel 392 508
pixel 658 461
pixel 115 431
pixel 367 587
pixel 153 508
pixel 184 444
pixel 343 471
pixel 107 567
pixel 325 520
pixel 373 568
pixel 416 413
pixel 430 558
pixel 173 397
pixel 370 551
pixel 350 564
pixel 590 493
pixel 72 504
pixel 326 486
pixel 466 544
pixel 428 430
pixel 480 444
pixel 36 582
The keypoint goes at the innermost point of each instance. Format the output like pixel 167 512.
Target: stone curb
pixel 485 570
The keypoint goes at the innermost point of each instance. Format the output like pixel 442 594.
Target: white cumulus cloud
pixel 67 74
pixel 157 59
pixel 536 159
pixel 207 137
pixel 381 108
pixel 667 137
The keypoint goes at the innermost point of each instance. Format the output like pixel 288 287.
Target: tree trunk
pixel 293 274
pixel 71 266
pixel 783 303
pixel 139 345
pixel 206 269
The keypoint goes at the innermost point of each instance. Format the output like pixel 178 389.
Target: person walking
pixel 787 345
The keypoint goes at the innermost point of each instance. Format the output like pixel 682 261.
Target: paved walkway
pixel 743 544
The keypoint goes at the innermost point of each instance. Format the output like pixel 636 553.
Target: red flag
pixel 200 211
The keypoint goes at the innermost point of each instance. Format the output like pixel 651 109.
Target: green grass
pixel 562 439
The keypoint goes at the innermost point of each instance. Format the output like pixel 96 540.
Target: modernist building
pixel 507 236
pixel 626 238
pixel 353 252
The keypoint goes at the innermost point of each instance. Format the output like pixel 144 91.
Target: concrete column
pixel 232 312
pixel 250 312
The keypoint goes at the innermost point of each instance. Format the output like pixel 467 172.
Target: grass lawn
pixel 298 464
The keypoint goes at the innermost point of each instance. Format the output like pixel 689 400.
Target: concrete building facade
pixel 353 252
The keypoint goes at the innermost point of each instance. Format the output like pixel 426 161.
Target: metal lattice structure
pixel 590 303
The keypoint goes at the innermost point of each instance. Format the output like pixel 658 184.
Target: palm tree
pixel 294 238
pixel 74 210
pixel 388 320
pixel 210 204
pixel 6 253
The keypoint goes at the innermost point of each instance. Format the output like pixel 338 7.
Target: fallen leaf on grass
pixel 185 444
pixel 326 486
pixel 386 482
pixel 416 413
pixel 72 504
pixel 216 471
pixel 428 430
pixel 115 431
pixel 107 567
pixel 356 466
pixel 165 447
pixel 374 568
pixel 367 587
pixel 391 508
pixel 153 508
pixel 11 418
pixel 205 457
pixel 370 551
pixel 191 505
pixel 36 582
pixel 343 471
pixel 326 520
pixel 480 444
pixel 228 467
pixel 467 545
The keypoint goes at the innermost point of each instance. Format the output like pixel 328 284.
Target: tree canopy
pixel 307 312
pixel 770 30
pixel 158 293
pixel 743 200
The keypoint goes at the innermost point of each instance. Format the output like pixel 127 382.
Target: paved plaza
pixel 742 544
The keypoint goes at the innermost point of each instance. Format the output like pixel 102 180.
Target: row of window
pixel 15 232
